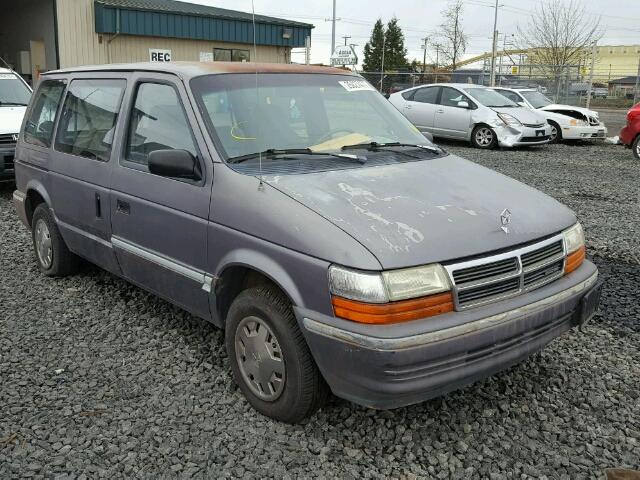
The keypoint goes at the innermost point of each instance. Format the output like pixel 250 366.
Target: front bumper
pixel 595 132
pixel 7 156
pixel 397 365
pixel 628 134
pixel 522 135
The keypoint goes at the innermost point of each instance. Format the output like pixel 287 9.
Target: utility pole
pixel 307 50
pixel 437 45
pixel 636 93
pixel 593 62
pixel 333 28
pixel 495 47
pixel 424 54
pixel 384 40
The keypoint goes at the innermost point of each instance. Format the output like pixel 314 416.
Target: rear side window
pixel 426 95
pixel 42 116
pixel 158 122
pixel 88 119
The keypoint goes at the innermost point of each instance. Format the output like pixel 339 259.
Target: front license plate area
pixel 589 303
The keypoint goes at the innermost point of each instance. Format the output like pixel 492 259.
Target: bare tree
pixel 453 39
pixel 559 35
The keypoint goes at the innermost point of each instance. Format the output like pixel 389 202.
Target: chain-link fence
pixel 567 85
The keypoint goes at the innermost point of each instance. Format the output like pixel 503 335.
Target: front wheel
pixel 484 137
pixel 556 133
pixel 636 147
pixel 269 357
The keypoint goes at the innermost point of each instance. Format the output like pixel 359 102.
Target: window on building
pixel 39 126
pixel 88 118
pixel 158 122
pixel 230 55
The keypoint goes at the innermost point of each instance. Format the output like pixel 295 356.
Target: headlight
pixel 392 296
pixel 575 122
pixel 509 120
pixel 573 238
pixel 416 282
pixel 574 246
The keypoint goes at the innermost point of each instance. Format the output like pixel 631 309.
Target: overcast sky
pixel 620 20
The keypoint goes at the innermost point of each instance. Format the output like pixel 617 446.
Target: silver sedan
pixel 473 113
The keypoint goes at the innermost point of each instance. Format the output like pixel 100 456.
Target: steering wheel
pixel 331 134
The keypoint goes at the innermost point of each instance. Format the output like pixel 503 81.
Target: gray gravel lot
pixel 100 379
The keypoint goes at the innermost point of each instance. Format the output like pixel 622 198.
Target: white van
pixel 14 97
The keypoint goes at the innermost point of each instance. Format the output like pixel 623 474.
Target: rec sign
pixel 157 55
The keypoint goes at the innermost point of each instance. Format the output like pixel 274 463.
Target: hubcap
pixel 638 150
pixel 554 132
pixel 43 244
pixel 260 358
pixel 484 137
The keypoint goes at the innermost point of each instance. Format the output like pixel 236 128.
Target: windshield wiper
pixel 273 152
pixel 373 146
pixel 13 104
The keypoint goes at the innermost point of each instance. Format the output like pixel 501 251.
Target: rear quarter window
pixel 38 129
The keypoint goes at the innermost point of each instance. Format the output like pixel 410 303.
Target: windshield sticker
pixel 7 76
pixel 356 85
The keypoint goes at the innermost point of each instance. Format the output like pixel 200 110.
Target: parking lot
pixel 100 378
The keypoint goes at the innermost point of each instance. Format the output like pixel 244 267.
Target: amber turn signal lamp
pixel 393 312
pixel 574 260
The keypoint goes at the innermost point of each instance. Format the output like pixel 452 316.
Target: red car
pixel 630 134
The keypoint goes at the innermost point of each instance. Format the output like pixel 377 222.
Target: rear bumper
pixel 7 156
pixel 628 135
pixel 19 202
pixel 392 366
pixel 522 136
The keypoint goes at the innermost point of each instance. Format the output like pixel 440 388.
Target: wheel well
pixel 233 281
pixel 33 200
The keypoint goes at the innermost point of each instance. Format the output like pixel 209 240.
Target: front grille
pixel 541 138
pixel 507 274
pixel 7 140
pixel 534 125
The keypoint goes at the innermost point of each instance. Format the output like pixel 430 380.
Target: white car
pixel 567 122
pixel 14 97
pixel 473 113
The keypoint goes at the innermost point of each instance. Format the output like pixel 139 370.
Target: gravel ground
pixel 100 379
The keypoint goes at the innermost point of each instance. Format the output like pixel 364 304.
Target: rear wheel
pixel 484 137
pixel 636 147
pixel 52 254
pixel 269 357
pixel 556 133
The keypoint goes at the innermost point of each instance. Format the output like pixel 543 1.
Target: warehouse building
pixel 41 35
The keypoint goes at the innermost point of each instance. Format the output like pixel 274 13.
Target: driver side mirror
pixel 174 164
pixel 463 104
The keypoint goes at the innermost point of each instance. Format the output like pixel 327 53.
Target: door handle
pixel 123 207
pixel 408 107
pixel 440 110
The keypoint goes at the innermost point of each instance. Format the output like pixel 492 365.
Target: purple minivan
pixel 296 208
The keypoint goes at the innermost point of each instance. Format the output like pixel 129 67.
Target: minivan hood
pixel 524 115
pixel 11 119
pixel 427 211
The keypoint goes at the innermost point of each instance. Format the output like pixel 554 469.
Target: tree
pixel 395 53
pixel 559 35
pixel 372 61
pixel 453 38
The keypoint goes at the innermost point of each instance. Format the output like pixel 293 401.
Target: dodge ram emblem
pixel 505 220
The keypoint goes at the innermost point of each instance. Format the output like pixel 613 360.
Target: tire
pixel 266 314
pixel 53 257
pixel 556 133
pixel 484 137
pixel 635 146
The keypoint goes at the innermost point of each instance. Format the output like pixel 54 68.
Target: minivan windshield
pixel 319 112
pixel 490 98
pixel 535 98
pixel 13 91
